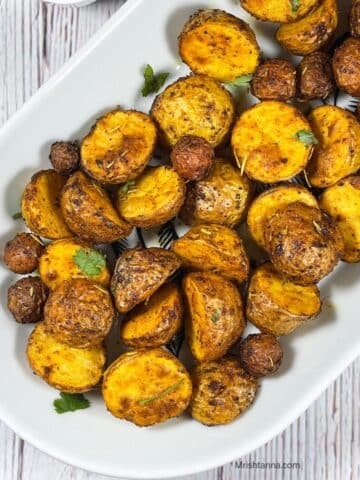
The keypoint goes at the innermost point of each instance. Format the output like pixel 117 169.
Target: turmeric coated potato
pixel 146 387
pixel 274 79
pixel 315 77
pixel 22 253
pixel 260 354
pixel 277 306
pixel 218 44
pixel 355 18
pixel 346 66
pixel 26 300
pixel 282 11
pixel 192 157
pixel 215 318
pixel 64 157
pixel 66 368
pixel 222 390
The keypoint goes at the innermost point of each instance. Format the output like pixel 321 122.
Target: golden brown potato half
pixel 266 204
pixel 315 76
pixel 346 66
pixel 195 105
pixel 218 44
pixel 274 79
pixel 89 213
pixel 355 18
pixel 265 144
pixel 215 318
pixel 278 306
pixel 155 197
pixel 139 273
pixel 222 197
pixel 337 154
pixel 213 248
pixel 154 323
pixel 283 11
pixel 222 390
pixel 312 32
pixel 342 202
pixel 146 387
pixel 69 369
pixel 40 205
pixel 119 146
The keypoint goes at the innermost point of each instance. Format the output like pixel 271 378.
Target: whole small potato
pixel 26 299
pixel 315 76
pixel 260 354
pixel 64 157
pixel 355 18
pixel 192 157
pixel 22 253
pixel 346 66
pixel 274 79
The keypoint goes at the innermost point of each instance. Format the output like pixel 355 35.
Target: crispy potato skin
pixel 303 243
pixel 119 146
pixel 26 299
pixel 215 318
pixel 89 213
pixel 354 19
pixel 218 44
pixel 195 105
pixel 213 248
pixel 139 273
pixel 192 157
pixel 264 143
pixel 260 354
pixel 315 76
pixel 312 32
pixel 222 197
pixel 40 205
pixel 338 153
pixel 274 79
pixel 222 390
pixel 79 313
pixel 64 157
pixel 68 369
pixel 22 253
pixel 146 387
pixel 156 197
pixel 277 10
pixel 154 323
pixel 277 306
pixel 342 202
pixel 346 66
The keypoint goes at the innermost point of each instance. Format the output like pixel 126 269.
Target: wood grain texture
pixel 35 40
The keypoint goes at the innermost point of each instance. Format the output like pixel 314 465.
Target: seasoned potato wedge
pixel 69 369
pixel 278 306
pixel 355 18
pixel 214 248
pixel 146 387
pixel 312 32
pixel 195 105
pixel 119 146
pixel 278 10
pixel 265 145
pixel 266 204
pixel 40 205
pixel 346 66
pixel 342 202
pixel 215 318
pixel 217 44
pixel 222 197
pixel 154 323
pixel 139 273
pixel 155 198
pixel 338 153
pixel 89 213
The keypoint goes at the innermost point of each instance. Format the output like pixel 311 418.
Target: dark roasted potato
pixel 260 354
pixel 192 157
pixel 26 299
pixel 281 11
pixel 346 66
pixel 274 79
pixel 315 77
pixel 355 18
pixel 22 253
pixel 64 157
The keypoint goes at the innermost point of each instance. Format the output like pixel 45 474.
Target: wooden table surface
pixel 35 40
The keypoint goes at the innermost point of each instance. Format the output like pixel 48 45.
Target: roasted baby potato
pixel 79 313
pixel 89 213
pixel 22 253
pixel 155 197
pixel 277 306
pixel 346 66
pixel 265 144
pixel 342 202
pixel 337 154
pixel 217 44
pixel 213 248
pixel 195 105
pixel 222 390
pixel 26 300
pixel 40 205
pixel 312 32
pixel 119 146
pixel 139 273
pixel 266 204
pixel 355 18
pixel 303 243
pixel 64 157
pixel 274 79
pixel 192 157
pixel 260 354
pixel 69 369
pixel 146 387
pixel 278 10
pixel 315 77
pixel 222 197
pixel 215 318
pixel 67 258
pixel 154 323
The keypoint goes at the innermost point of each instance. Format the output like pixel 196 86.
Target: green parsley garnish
pixel 242 81
pixel 17 215
pixel 91 262
pixel 295 5
pixel 162 394
pixel 215 316
pixel 153 82
pixel 70 402
pixel 306 137
pixel 125 188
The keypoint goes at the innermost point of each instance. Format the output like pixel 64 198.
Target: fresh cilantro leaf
pixel 215 316
pixel 126 186
pixel 306 137
pixel 70 402
pixel 17 215
pixel 242 81
pixel 91 262
pixel 153 82
pixel 295 5
pixel 162 394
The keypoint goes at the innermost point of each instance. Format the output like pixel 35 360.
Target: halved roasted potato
pixel 69 369
pixel 282 11
pixel 278 306
pixel 40 205
pixel 265 142
pixel 119 146
pixel 146 387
